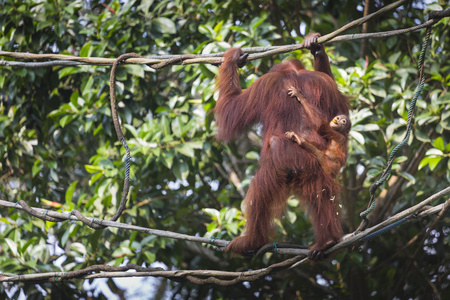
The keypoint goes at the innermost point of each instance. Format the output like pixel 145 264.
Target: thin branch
pixel 158 62
pixel 191 275
pixel 360 21
pixel 69 216
pixel 365 29
pixel 212 275
pixel 44 64
pixel 46 214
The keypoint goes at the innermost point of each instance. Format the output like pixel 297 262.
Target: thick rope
pixel 387 172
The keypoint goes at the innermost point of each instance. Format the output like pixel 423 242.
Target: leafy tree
pixel 59 151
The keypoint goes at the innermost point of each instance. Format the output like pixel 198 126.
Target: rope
pixel 112 88
pixel 275 250
pixel 383 230
pixel 96 223
pixel 387 172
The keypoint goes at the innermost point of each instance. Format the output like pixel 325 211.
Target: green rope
pixel 274 248
pixel 387 172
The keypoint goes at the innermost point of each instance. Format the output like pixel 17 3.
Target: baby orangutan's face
pixel 341 124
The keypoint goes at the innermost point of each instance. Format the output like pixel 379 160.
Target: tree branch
pixel 158 62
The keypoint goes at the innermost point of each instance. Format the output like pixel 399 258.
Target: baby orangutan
pixel 336 133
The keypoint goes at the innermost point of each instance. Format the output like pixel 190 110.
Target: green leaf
pixel 232 227
pixel 122 251
pixel 252 155
pixel 74 98
pixel 447 148
pixel 394 57
pixel 58 30
pixel 54 175
pixel 206 30
pixel 230 214
pixel 211 227
pixel 79 248
pixel 12 246
pixel 391 130
pixel 370 127
pixel 66 236
pixel 186 149
pixel 86 88
pixel 177 127
pixel 30 242
pixel 95 178
pixel 165 125
pixel 86 50
pixel 434 162
pixel 136 70
pixel 93 169
pixel 421 136
pixel 377 91
pixel 43 24
pixel 423 162
pixel 357 136
pixel 213 213
pixel 167 159
pixel 196 144
pixel 131 129
pixel 407 176
pixel 434 151
pixel 218 27
pixel 256 22
pixel 161 109
pixel 145 6
pixel 31 264
pixel 37 167
pixel 70 191
pixel 66 120
pixel 431 161
pixel 151 257
pixel 38 223
pixel 164 25
pixel 181 170
pixel 439 143
pixel 126 7
pixel 390 42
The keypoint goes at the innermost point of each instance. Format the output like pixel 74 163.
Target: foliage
pixel 59 151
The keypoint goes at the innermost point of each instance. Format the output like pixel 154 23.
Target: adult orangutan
pixel 284 166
